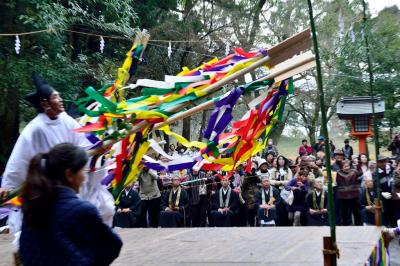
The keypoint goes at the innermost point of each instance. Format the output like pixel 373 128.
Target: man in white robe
pixel 39 136
pixel 50 127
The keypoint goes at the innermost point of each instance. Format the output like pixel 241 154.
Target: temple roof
pixel 359 106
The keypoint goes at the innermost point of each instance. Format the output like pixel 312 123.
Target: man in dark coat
pixel 386 183
pixel 396 191
pixel 347 150
pixel 394 146
pixel 128 209
pixel 338 155
pixel 197 192
pixel 368 198
pixel 174 205
pixel 249 189
pixel 266 200
pixel 319 146
pixel 317 203
pixel 299 185
pixel 224 205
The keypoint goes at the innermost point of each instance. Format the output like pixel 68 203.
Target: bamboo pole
pixel 378 217
pixel 325 134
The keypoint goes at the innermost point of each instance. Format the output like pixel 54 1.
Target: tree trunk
pixel 9 100
pixel 311 133
pixel 186 128
pixel 203 124
pixel 166 146
pixel 276 132
pixel 9 123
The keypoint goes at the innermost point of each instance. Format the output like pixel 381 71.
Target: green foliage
pixel 384 40
pixel 68 61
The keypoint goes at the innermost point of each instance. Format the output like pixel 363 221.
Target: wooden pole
pixel 294 66
pixel 281 51
pixel 327 244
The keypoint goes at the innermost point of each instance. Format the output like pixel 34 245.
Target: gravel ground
pixel 395 253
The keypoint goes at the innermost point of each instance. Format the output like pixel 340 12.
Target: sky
pixel 378 5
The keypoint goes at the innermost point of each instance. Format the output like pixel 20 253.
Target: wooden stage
pixel 240 246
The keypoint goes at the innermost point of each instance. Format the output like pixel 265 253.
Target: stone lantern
pixel 358 109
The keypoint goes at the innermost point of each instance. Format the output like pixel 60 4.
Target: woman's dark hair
pixel 359 157
pixel 286 165
pixel 303 172
pixel 46 171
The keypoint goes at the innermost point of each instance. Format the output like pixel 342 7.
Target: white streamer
pixel 227 48
pixel 101 44
pixel 17 44
pixel 169 50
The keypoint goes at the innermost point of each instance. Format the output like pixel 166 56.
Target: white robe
pixel 39 136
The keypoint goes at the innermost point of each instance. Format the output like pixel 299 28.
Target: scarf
pixel 223 204
pixel 271 199
pixel 322 203
pixel 282 172
pixel 171 204
pixel 369 202
pixel 271 196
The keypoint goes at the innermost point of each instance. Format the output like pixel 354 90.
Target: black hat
pixel 382 158
pixel 346 141
pixel 43 91
pixel 338 152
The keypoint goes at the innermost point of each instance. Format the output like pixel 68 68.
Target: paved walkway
pixel 241 246
pixel 395 253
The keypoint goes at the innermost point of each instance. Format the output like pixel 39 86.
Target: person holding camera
pixel 394 146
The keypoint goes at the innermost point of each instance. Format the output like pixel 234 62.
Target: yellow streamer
pixel 186 70
pixel 181 139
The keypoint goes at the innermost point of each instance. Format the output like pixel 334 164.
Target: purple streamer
pixel 4 211
pixel 196 73
pixel 229 101
pixel 181 166
pixel 223 122
pixel 231 98
pixel 219 68
pixel 94 140
pixel 213 118
pixel 154 166
pixel 270 103
pixel 263 51
pixel 273 102
pixel 107 180
pixel 237 58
